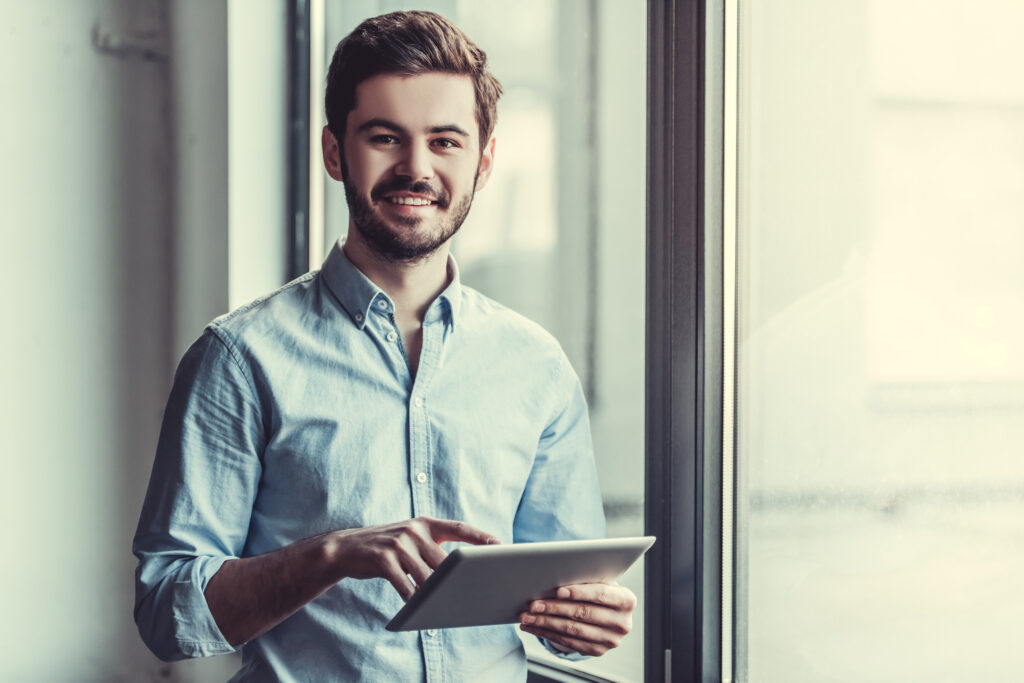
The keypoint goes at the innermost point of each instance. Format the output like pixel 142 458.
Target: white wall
pixel 113 139
pixel 87 177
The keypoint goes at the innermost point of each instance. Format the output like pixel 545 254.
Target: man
pixel 321 443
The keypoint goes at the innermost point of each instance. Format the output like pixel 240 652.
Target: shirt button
pixel 432 632
pixel 418 401
pixel 359 317
pixel 392 336
pixel 381 304
pixel 421 477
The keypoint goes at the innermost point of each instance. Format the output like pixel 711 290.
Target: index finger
pixel 607 594
pixel 449 530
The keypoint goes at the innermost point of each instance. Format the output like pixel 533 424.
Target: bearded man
pixel 320 444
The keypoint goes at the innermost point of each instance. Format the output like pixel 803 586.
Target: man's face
pixel 413 162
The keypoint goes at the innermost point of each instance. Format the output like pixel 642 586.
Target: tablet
pixel 477 585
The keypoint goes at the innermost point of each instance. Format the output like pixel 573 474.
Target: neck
pixel 411 285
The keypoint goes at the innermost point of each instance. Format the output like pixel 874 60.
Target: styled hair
pixel 407 44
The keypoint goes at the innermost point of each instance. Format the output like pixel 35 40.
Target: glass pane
pixel 558 234
pixel 880 395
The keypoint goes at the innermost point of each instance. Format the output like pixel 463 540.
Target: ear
pixel 486 165
pixel 332 155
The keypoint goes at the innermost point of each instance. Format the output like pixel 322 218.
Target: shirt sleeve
pixel 562 499
pixel 197 508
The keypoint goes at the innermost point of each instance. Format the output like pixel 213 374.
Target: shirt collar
pixel 451 297
pixel 357 293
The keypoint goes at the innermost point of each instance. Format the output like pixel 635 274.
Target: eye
pixel 384 139
pixel 445 143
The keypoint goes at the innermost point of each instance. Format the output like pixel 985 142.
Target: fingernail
pixel 529 619
pixel 538 607
pixel 493 541
pixel 564 593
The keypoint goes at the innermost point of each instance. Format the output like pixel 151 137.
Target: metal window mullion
pixel 713 353
pixel 684 355
pixel 732 646
pixel 657 618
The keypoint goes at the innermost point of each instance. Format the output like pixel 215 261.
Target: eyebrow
pixel 392 126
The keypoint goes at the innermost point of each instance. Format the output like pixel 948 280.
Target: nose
pixel 415 162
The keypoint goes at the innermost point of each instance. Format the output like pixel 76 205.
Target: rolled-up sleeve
pixel 200 497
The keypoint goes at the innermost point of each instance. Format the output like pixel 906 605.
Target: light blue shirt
pixel 297 415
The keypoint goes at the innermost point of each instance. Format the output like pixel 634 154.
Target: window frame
pixel 297 204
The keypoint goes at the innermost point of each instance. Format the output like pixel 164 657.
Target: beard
pixel 397 239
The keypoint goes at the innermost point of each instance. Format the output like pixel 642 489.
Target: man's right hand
pixel 397 551
pixel 249 596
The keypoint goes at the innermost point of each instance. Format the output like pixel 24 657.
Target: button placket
pixel 422 478
pixel 420 454
pixel 433 656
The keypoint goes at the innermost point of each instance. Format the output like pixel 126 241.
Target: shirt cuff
pixel 562 653
pixel 199 635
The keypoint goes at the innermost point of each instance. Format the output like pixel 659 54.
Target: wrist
pixel 328 556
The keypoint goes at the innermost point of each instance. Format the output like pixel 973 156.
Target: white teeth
pixel 409 201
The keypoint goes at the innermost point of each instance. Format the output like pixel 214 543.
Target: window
pixel 880 387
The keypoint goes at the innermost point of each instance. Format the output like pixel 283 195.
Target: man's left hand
pixel 589 618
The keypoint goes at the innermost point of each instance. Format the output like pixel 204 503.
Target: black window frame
pixel 297 198
pixel 684 341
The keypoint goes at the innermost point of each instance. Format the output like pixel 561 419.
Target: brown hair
pixel 407 44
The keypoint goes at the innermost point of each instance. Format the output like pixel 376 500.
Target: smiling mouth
pixel 409 201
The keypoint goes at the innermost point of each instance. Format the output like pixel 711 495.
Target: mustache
pixel 405 185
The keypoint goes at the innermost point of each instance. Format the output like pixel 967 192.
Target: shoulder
pixel 514 338
pixel 483 315
pixel 267 315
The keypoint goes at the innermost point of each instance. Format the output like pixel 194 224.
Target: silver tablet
pixel 478 585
